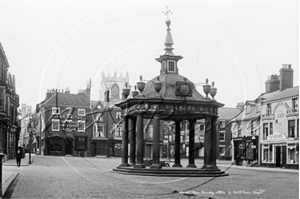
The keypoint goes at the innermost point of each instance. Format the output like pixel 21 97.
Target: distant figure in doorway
pixel 20 155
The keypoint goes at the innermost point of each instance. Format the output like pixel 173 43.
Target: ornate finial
pixel 168 41
pixel 157 78
pixel 141 77
pixel 206 80
pixel 167 12
pixel 212 84
pixel 126 84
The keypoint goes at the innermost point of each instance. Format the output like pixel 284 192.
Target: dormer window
pixel 248 109
pixel 171 66
pixel 55 110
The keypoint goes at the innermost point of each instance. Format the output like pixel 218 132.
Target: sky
pixel 59 44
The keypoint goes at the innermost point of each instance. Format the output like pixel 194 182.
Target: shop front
pixel 245 150
pixel 278 151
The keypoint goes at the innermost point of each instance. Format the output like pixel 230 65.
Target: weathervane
pixel 167 12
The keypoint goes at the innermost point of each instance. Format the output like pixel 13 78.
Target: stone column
pixel 125 143
pixel 192 144
pixel 214 141
pixel 210 143
pixel 177 144
pixel 156 142
pixel 139 143
pixel 132 135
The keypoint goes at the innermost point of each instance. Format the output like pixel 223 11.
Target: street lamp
pixel 29 129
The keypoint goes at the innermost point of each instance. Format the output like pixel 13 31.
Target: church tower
pixel 115 84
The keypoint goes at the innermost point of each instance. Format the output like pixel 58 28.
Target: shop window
pixel 222 136
pixel 222 150
pixel 265 131
pixel 81 112
pixel 293 154
pixel 55 125
pixel 81 126
pixel 291 128
pixel 267 155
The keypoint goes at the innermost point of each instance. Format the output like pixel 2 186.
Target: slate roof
pixel 289 92
pixel 226 113
pixel 65 99
pixel 168 88
pixel 103 104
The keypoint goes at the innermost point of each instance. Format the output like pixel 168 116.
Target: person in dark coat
pixel 19 156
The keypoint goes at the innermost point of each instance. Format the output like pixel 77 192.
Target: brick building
pixel 63 123
pixel 226 115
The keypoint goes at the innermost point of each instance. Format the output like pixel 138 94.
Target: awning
pixel 51 135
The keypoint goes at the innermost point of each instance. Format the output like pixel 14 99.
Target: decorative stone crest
pixel 184 89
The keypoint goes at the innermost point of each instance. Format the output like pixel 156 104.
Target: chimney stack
pixel 286 76
pixel 67 91
pixel 272 84
pixel 49 93
pixel 240 106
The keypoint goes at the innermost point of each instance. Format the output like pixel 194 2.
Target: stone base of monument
pixel 171 172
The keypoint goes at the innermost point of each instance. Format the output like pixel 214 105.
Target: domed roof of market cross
pixel 174 86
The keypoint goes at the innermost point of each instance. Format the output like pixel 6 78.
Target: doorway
pixel 69 147
pixel 278 156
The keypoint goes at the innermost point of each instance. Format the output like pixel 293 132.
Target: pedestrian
pixel 20 155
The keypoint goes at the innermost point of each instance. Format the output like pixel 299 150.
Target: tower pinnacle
pixel 169 40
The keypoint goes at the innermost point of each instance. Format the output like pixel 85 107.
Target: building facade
pixel 9 103
pixel 107 129
pixel 267 132
pixel 280 122
pixel 226 116
pixel 63 123
pixel 25 112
